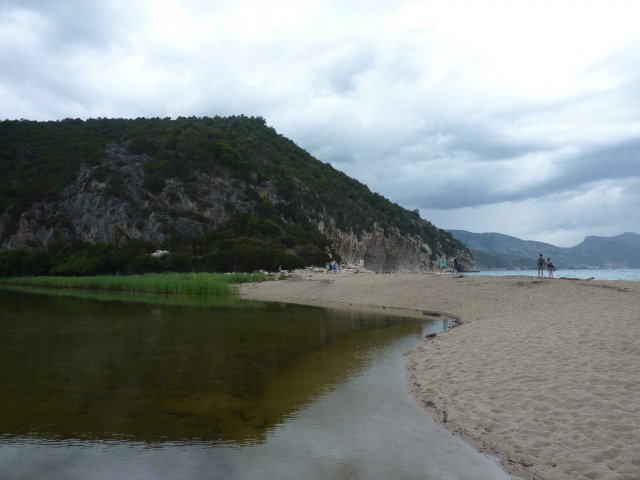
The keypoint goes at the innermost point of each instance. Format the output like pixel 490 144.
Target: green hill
pixel 219 194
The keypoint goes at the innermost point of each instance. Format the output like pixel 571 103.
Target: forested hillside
pixel 220 194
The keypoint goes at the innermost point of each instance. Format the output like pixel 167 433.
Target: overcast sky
pixel 518 117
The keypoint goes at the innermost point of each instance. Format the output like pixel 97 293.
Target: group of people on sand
pixel 332 266
pixel 453 261
pixel 542 263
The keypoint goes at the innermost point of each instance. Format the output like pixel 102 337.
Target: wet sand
pixel 543 374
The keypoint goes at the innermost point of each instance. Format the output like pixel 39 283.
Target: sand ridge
pixel 542 373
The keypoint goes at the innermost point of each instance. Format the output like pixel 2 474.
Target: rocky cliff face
pixel 109 203
pixel 389 251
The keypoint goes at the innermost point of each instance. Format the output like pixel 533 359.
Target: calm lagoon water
pixel 632 274
pixel 97 389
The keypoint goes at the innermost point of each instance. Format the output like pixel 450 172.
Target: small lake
pixel 102 388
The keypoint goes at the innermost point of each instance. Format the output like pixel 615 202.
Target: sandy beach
pixel 543 374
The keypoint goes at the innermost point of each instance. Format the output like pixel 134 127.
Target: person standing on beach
pixel 541 266
pixel 550 267
pixel 443 264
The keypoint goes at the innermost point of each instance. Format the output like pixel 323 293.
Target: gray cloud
pixel 488 182
pixel 65 24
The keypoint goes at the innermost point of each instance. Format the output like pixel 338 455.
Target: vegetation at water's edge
pixel 210 253
pixel 206 284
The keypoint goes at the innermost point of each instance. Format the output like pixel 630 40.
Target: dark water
pixel 112 389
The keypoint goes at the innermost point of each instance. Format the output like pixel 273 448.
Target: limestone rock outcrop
pixel 388 251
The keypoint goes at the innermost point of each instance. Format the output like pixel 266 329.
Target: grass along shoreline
pixel 205 284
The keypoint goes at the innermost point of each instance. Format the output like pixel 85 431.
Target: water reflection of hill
pixel 79 368
pixel 140 297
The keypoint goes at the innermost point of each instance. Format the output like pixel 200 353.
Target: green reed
pixel 207 284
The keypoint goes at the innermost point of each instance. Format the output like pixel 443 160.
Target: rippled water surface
pixel 632 274
pixel 112 389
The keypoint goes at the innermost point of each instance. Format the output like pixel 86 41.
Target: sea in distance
pixel 630 274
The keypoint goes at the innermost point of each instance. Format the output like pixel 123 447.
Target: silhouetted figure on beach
pixel 541 264
pixel 455 265
pixel 550 267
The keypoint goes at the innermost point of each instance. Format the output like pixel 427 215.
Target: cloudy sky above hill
pixel 509 116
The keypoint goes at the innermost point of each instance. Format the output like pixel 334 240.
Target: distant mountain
pixel 619 251
pixel 493 251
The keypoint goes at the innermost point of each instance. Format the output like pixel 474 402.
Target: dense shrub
pixel 248 254
pixel 210 254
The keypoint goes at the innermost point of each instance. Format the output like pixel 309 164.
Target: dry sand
pixel 543 374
